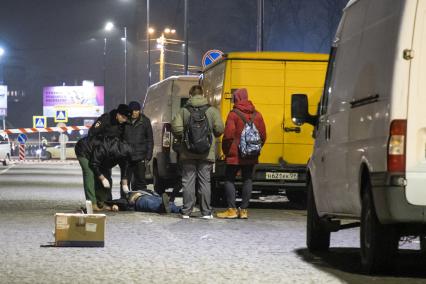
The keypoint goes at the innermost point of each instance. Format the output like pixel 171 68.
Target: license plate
pixel 287 176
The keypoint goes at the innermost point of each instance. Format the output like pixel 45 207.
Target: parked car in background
pixel 54 152
pixel 4 149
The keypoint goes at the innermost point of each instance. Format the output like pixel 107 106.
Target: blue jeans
pixel 152 203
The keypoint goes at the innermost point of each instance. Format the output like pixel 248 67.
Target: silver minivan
pixel 163 101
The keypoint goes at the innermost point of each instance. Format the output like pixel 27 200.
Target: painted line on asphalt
pixel 5 170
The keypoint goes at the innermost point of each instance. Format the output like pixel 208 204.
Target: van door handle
pixel 292 129
pixel 328 132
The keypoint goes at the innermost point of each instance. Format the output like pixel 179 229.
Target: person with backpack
pixel 244 136
pixel 196 126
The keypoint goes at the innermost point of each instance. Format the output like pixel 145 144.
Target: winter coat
pixel 111 152
pixel 234 126
pixel 105 126
pixel 182 117
pixel 138 133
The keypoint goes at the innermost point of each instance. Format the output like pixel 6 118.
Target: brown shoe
pixel 243 214
pixel 230 213
pixel 96 208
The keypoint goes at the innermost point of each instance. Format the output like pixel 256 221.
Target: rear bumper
pixel 391 204
pixel 260 182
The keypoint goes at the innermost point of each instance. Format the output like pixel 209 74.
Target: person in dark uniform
pixel 107 125
pixel 138 132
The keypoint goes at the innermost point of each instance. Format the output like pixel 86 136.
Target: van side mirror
pixel 299 110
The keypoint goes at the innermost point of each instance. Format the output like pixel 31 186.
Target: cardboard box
pixel 79 230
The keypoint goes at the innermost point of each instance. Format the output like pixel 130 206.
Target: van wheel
pixel 297 196
pixel 159 185
pixel 317 235
pixel 379 243
pixel 48 155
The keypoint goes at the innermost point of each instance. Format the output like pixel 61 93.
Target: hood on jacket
pixel 241 101
pixel 197 100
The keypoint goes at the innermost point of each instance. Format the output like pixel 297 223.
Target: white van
pixel 4 149
pixel 163 100
pixel 369 159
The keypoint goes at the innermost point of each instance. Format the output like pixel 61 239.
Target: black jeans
pixel 136 176
pixel 247 175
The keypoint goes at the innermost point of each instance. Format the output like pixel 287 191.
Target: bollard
pixel 21 152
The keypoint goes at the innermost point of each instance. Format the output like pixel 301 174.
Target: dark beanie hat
pixel 124 110
pixel 134 105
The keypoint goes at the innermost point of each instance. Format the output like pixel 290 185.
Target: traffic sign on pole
pixel 61 116
pixel 39 121
pixel 22 138
pixel 211 56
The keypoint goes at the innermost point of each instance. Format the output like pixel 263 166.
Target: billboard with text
pixel 3 100
pixel 78 101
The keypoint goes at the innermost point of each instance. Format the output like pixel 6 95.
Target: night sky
pixel 56 42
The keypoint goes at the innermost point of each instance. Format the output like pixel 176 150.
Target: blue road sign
pixel 61 116
pixel 22 138
pixel 211 56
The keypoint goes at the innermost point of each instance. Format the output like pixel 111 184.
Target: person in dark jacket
pixel 107 125
pixel 113 151
pixel 138 133
pixel 234 162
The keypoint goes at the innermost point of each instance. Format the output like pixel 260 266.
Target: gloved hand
pixel 105 183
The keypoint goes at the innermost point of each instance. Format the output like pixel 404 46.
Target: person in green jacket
pixel 197 165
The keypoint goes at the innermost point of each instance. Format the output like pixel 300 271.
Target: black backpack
pixel 197 133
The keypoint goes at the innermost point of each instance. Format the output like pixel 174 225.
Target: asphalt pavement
pixel 269 247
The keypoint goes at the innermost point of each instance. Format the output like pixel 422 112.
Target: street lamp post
pixel 108 27
pixel 161 43
pixel 125 65
pixel 1 83
pixel 1 68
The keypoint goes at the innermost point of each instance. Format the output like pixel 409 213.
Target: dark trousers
pixel 153 203
pixel 136 176
pixel 247 176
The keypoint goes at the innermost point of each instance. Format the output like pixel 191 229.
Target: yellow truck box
pixel 271 78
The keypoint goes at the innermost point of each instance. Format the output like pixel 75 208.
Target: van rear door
pixel 264 80
pixel 416 118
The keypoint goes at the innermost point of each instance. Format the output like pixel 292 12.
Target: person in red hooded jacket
pixel 234 162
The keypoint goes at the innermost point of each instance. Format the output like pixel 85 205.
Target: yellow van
pixel 270 78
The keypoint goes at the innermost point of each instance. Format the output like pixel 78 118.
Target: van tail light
pixel 396 146
pixel 167 136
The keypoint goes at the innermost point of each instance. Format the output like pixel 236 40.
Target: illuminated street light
pixel 151 31
pixel 109 26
